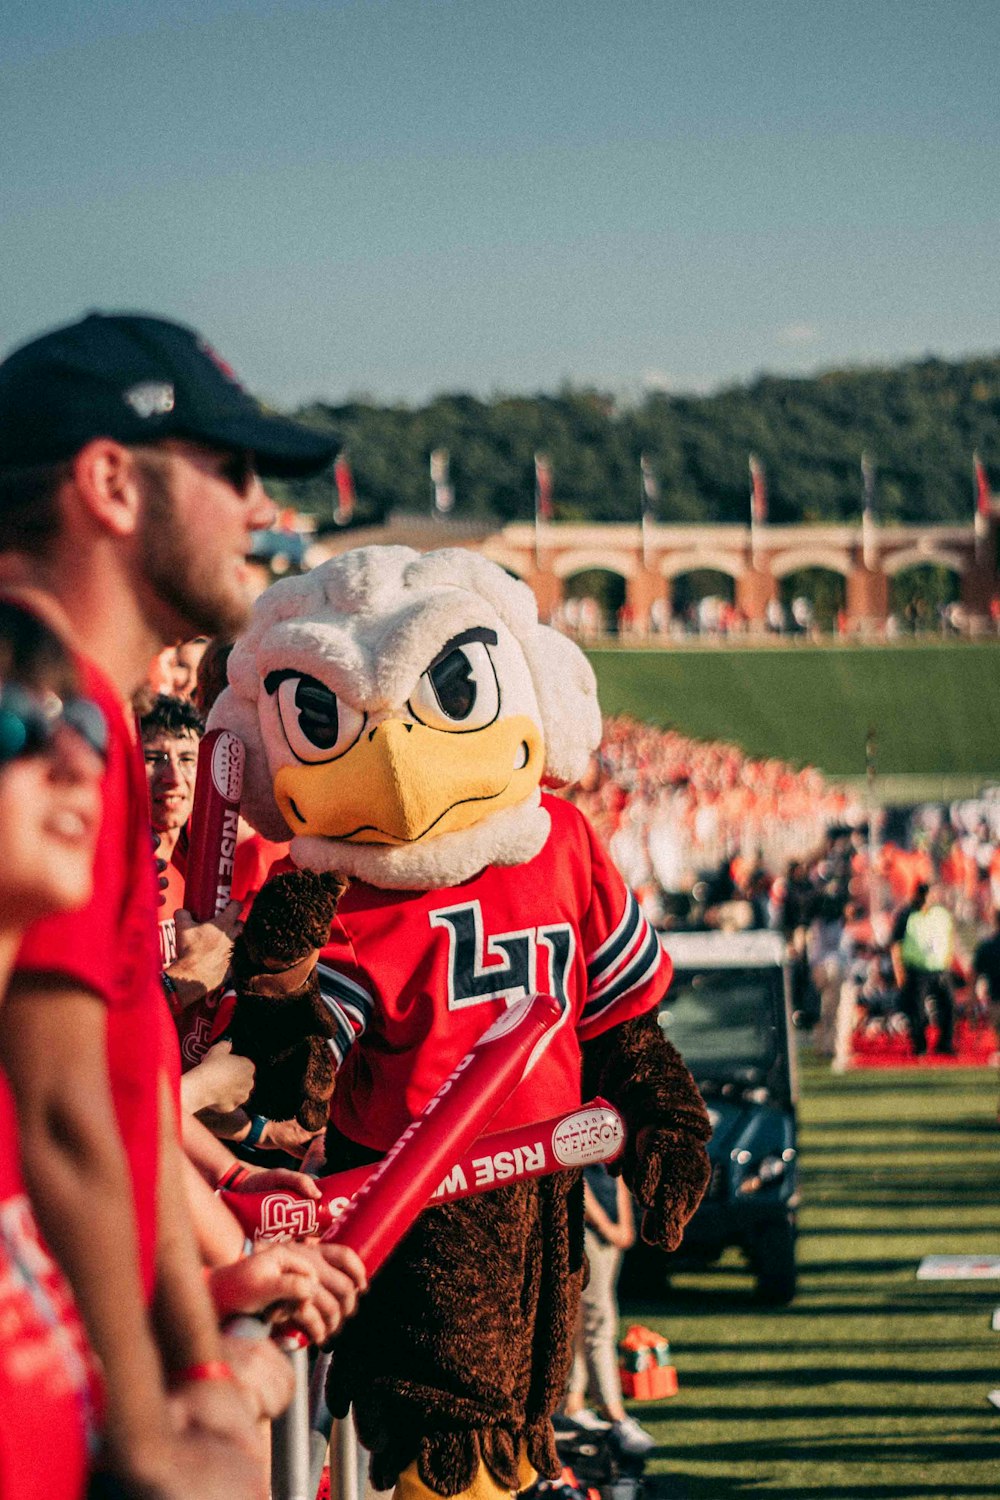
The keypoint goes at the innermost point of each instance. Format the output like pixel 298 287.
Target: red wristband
pixel 209 1369
pixel 231 1180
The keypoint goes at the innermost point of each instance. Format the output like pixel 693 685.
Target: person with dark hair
pixel 51 759
pixel 129 490
pixel 922 946
pixel 171 730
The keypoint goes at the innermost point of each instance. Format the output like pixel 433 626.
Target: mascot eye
pixel 318 726
pixel 459 689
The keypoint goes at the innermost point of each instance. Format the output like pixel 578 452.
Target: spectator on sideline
pixel 171 730
pixel 50 810
pixel 128 494
pixel 187 657
pixel 608 1231
pixel 922 947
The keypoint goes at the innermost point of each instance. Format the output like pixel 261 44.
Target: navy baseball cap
pixel 140 379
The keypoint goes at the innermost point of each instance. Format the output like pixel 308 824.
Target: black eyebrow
pixel 464 637
pixel 273 680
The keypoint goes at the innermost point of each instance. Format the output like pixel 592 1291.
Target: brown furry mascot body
pixel 399 714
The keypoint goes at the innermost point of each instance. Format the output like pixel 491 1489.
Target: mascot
pixel 401 714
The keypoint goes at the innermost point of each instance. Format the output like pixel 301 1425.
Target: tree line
pixel 919 422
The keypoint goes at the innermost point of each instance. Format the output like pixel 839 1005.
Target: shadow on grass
pixel 786 1412
pixel 963 1125
pixel 699 1487
pixel 783 1346
pixel 722 1301
pixel 874 1231
pixel 815 1377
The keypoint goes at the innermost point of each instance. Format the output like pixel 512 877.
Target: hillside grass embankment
pixel 934 708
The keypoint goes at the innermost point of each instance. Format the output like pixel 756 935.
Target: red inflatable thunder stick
pixel 215 818
pixel 400 1185
pixel 593 1132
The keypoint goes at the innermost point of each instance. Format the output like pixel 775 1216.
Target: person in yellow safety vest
pixel 922 947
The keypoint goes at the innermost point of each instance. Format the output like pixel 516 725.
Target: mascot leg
pixel 410 1486
pixel 459 1353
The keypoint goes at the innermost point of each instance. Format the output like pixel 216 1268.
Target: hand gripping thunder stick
pixel 594 1132
pixel 389 1200
pixel 208 883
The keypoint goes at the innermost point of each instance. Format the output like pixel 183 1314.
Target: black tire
pixel 772 1260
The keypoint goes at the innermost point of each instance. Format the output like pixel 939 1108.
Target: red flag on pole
pixel 984 497
pixel 984 505
pixel 543 488
pixel 758 492
pixel 344 481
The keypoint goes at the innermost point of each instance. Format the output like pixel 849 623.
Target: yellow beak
pixel 403 782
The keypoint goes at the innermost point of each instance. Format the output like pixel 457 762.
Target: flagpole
pixel 758 505
pixel 543 500
pixel 646 481
pixel 868 554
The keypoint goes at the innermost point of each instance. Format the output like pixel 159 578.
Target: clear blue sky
pixel 405 196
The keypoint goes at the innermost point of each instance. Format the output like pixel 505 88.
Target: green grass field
pixel 935 708
pixel 871 1384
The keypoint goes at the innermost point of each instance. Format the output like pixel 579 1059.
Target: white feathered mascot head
pixel 400 712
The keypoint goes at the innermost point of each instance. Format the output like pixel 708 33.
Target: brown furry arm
pixel 665 1163
pixel 280 1021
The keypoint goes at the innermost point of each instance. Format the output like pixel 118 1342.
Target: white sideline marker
pixel 959 1268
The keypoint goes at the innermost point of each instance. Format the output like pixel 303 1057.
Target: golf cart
pixel 728 1012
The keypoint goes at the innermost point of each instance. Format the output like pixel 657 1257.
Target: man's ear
pixel 107 480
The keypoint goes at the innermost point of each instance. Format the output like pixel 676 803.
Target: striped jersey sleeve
pixel 350 1005
pixel 628 970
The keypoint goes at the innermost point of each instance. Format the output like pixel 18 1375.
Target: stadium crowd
pixel 709 836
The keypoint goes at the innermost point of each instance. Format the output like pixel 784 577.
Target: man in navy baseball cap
pixel 129 493
pixel 140 379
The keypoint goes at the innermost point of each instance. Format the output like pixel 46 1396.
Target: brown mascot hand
pixel 281 1021
pixel 288 924
pixel 670 1177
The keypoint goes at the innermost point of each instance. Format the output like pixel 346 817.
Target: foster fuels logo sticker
pixel 227 766
pixel 587 1136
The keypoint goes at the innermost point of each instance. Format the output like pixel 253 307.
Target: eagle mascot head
pixel 401 711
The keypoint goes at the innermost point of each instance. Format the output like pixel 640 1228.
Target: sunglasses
pixel 29 722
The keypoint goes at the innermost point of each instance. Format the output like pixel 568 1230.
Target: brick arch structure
pixel 830 559
pixel 566 564
pixel 650 558
pixel 921 557
pixel 673 564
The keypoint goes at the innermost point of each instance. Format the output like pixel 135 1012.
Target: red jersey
pixel 203 1022
pixel 251 866
pixel 109 947
pixel 171 900
pixel 48 1381
pixel 414 978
